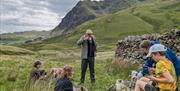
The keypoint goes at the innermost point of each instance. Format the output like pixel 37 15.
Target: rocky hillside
pixel 146 18
pixel 129 47
pixel 88 10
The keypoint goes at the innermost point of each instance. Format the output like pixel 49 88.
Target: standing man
pixel 88 45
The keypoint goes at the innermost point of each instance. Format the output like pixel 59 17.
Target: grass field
pixel 15 68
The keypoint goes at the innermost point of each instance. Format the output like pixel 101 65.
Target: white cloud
pixel 24 15
pixel 6 17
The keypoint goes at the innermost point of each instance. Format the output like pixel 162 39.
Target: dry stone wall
pixel 129 47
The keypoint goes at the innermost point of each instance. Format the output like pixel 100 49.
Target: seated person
pixel 63 82
pixel 36 73
pixel 165 76
pixel 150 64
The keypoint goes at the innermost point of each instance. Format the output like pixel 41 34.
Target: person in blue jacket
pixel 150 64
pixel 63 82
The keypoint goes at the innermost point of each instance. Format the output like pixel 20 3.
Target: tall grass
pixel 15 70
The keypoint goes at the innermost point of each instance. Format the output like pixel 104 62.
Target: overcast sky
pixel 26 15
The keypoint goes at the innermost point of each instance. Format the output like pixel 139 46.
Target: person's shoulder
pixel 170 52
pixel 149 60
pixel 163 63
pixel 67 81
pixel 160 64
pixel 93 36
pixel 59 81
pixel 33 69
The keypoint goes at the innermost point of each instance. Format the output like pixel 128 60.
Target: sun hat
pixel 89 31
pixel 156 48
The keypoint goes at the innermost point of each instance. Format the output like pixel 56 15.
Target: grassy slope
pixel 161 15
pixel 20 37
pixel 10 50
pixel 15 69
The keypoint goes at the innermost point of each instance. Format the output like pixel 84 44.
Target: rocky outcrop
pixel 87 10
pixel 38 39
pixel 129 47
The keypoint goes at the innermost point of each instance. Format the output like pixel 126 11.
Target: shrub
pixel 119 67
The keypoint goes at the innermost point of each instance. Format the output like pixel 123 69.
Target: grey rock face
pixel 87 10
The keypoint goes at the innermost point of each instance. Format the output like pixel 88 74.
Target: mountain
pixel 87 10
pixel 21 37
pixel 152 16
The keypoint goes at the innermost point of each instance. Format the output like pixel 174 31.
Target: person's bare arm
pixel 167 78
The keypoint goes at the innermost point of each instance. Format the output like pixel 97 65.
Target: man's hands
pixel 152 70
pixel 152 78
pixel 86 37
